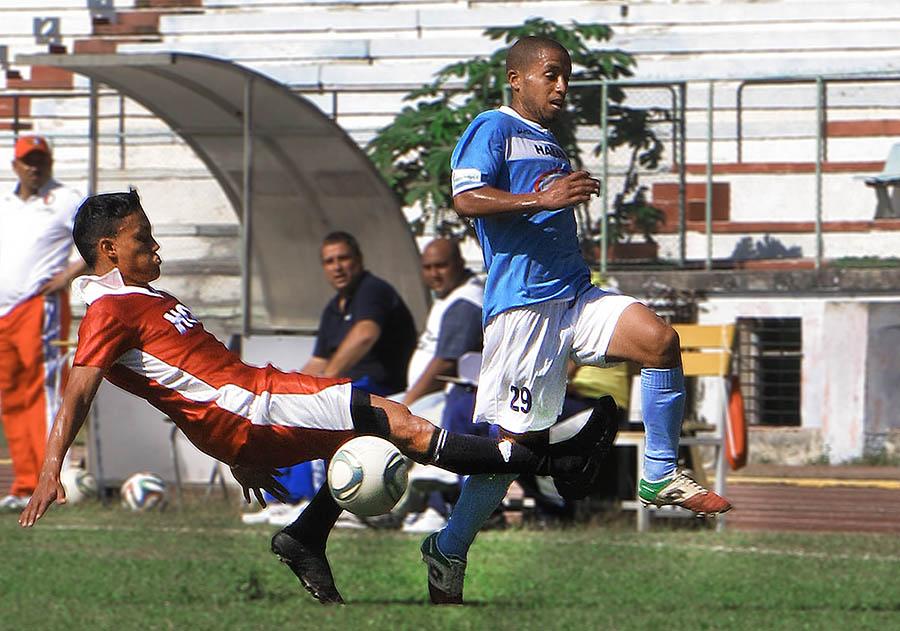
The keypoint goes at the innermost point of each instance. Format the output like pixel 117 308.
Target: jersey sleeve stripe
pixel 314 410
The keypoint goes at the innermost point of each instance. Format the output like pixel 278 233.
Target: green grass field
pixel 90 567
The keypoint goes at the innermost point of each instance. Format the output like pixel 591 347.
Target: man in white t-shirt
pixel 452 329
pixel 35 271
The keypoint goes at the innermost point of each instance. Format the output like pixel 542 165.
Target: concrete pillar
pixel 861 349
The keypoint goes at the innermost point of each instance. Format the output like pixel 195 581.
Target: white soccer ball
pixel 144 491
pixel 367 475
pixel 78 483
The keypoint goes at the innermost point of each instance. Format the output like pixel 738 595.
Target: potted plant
pixel 632 215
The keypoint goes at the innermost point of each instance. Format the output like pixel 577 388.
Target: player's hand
pixel 49 489
pixel 569 190
pixel 259 479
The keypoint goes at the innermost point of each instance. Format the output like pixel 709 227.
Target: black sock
pixel 316 520
pixel 466 454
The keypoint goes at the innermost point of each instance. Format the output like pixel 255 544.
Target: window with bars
pixel 769 359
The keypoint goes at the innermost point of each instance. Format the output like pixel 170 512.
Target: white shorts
pixel 522 382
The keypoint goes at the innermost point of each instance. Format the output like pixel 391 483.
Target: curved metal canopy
pixel 304 175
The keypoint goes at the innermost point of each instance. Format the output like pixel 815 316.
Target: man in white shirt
pixel 452 329
pixel 35 245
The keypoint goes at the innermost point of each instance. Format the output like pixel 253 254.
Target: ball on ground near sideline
pixel 367 475
pixel 78 483
pixel 144 491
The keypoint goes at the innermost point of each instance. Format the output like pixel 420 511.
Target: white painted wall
pixel 849 374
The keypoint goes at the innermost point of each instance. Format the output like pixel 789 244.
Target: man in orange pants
pixel 35 244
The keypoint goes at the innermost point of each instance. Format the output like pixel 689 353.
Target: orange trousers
pixel 30 372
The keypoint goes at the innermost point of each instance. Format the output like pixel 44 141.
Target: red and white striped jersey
pixel 150 345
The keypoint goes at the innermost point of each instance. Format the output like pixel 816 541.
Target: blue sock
pixel 480 495
pixel 662 405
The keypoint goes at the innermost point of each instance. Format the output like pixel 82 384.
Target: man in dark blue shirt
pixel 366 332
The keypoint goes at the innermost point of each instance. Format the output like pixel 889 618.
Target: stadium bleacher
pixel 355 59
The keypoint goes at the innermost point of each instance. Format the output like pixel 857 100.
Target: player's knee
pixel 410 433
pixel 665 351
pixel 417 434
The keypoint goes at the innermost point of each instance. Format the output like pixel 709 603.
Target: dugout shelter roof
pixel 304 177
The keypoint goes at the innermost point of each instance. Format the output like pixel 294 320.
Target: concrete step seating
pixel 355 59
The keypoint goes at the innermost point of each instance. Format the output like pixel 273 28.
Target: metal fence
pixel 779 160
pixel 762 167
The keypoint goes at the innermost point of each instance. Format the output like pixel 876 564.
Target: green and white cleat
pixel 680 489
pixel 446 573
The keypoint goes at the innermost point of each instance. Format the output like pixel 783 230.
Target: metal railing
pixel 718 140
pixel 713 117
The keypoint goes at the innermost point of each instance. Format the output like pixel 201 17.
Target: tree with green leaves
pixel 413 152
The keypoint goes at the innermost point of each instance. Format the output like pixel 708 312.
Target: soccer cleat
pixel 593 439
pixel 14 503
pixel 579 484
pixel 446 573
pixel 577 436
pixel 309 564
pixel 681 490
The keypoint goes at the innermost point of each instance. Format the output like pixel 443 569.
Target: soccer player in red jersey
pixel 254 419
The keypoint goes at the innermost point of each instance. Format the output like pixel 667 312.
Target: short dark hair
pixel 99 217
pixel 339 236
pixel 524 51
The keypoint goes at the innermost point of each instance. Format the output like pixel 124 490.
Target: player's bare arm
pixel 80 391
pixel 573 188
pixel 359 340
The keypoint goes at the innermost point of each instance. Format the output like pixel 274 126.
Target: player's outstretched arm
pixel 569 190
pixel 80 390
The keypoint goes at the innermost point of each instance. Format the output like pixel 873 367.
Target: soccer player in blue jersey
pixel 514 180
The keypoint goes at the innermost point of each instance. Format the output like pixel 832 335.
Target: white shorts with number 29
pixel 523 371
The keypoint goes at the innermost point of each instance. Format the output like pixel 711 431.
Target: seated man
pixel 366 333
pixel 453 328
pixel 254 419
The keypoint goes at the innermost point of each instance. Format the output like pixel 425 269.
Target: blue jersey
pixel 530 257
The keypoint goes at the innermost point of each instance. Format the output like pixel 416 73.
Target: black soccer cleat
pixel 593 440
pixel 309 564
pixel 578 436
